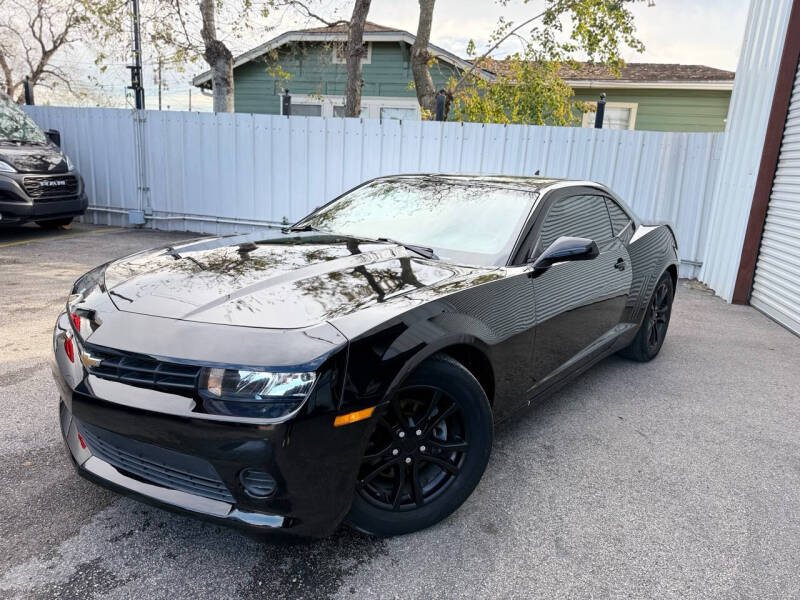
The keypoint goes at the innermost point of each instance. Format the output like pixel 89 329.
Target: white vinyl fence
pixel 223 173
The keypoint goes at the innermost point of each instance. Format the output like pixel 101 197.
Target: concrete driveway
pixel 675 479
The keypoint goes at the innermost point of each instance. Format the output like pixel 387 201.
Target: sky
pixel 707 32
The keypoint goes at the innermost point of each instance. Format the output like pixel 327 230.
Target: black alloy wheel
pixel 658 313
pixel 416 452
pixel 427 452
pixel 650 337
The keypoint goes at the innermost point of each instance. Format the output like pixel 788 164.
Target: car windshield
pixel 471 223
pixel 16 126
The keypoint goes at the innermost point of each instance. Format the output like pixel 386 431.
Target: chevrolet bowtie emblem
pixel 89 361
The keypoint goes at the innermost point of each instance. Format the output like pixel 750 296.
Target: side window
pixel 576 216
pixel 619 218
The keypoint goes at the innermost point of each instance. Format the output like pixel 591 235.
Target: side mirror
pixel 564 249
pixel 54 136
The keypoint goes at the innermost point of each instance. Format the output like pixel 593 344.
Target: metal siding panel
pixel 745 130
pixel 260 168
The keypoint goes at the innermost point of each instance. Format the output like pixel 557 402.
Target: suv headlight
pixel 70 164
pixel 257 394
pixel 6 168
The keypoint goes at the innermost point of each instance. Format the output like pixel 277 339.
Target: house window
pixel 618 115
pixel 306 110
pixel 338 110
pixel 340 54
pixel 405 114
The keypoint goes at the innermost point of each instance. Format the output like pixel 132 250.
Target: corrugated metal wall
pixel 746 127
pixel 217 173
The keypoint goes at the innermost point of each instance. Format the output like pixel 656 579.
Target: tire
pixel 440 424
pixel 650 337
pixel 55 223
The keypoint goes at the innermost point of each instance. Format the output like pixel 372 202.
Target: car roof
pixel 515 181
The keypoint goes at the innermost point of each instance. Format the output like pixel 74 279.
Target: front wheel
pixel 427 453
pixel 650 337
pixel 55 223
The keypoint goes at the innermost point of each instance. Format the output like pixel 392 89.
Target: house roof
pixel 632 75
pixel 372 33
pixel 639 75
pixel 369 26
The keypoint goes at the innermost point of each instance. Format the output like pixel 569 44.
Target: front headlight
pixel 6 168
pixel 87 284
pixel 257 394
pixel 70 165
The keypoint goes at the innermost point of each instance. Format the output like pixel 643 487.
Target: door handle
pixel 620 264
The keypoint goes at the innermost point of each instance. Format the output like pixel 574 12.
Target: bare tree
pixel 33 32
pixel 420 58
pixel 218 57
pixel 355 54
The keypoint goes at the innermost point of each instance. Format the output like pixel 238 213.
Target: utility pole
pixel 136 67
pixel 190 99
pixel 159 83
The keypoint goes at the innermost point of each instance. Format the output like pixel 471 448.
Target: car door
pixel 579 304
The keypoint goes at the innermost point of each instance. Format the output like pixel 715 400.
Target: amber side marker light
pixel 353 417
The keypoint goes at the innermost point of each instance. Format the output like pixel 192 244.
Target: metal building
pixel 753 249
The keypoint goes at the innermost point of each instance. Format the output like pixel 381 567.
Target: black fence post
pixel 286 104
pixel 440 101
pixel 26 85
pixel 600 112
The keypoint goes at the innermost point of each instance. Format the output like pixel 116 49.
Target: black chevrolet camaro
pixel 351 367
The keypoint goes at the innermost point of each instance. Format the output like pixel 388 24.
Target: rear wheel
pixel 650 337
pixel 427 453
pixel 55 223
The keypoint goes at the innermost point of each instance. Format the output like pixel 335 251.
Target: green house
pixel 310 64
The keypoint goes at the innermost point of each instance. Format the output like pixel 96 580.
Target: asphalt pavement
pixel 674 479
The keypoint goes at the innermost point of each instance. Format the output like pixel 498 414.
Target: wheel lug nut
pixel 408 460
pixel 422 448
pixel 402 434
pixel 419 431
pixel 395 452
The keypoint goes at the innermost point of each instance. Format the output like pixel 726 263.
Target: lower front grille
pixel 157 465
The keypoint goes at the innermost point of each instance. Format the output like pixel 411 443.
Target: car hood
pixel 289 281
pixel 33 158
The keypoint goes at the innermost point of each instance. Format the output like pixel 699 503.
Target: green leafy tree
pixel 529 87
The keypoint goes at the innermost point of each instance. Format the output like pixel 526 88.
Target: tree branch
pixel 311 15
pixel 502 39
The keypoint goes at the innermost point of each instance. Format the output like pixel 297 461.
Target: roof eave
pixel 720 85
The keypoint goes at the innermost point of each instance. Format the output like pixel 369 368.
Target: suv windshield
pixel 16 126
pixel 473 223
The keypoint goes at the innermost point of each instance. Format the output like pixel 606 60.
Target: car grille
pixel 157 465
pixel 143 371
pixel 45 188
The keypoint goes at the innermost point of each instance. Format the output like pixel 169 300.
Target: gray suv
pixel 37 180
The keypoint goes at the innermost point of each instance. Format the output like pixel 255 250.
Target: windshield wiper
pixel 292 228
pixel 421 250
pixel 22 141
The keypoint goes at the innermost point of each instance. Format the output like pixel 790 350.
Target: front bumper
pixel 314 464
pixel 18 207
